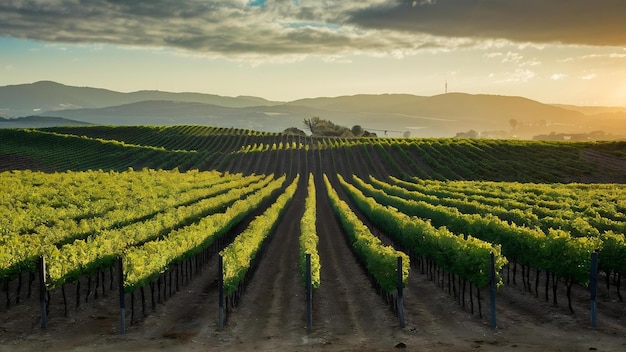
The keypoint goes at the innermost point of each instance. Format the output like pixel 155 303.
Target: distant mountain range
pixel 386 114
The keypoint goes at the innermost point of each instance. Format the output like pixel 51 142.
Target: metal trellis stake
pixel 593 286
pixel 42 292
pixel 309 293
pixel 120 281
pixel 400 304
pixel 492 291
pixel 220 288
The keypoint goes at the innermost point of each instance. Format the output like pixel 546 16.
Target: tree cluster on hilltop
pixel 325 128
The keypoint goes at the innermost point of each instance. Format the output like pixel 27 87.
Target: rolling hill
pixel 391 115
pixel 26 99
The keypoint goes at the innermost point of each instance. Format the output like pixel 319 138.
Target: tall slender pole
pixel 120 282
pixel 309 294
pixel 220 289
pixel 593 286
pixel 400 303
pixel 492 291
pixel 42 292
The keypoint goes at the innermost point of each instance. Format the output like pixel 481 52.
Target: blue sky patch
pixel 258 3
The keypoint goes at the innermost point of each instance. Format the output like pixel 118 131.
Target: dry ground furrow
pixel 346 304
pixel 273 302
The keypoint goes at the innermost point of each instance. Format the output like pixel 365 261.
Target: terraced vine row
pixel 308 235
pixel 73 207
pixel 81 222
pixel 240 254
pixel 521 243
pixel 144 263
pixel 381 261
pixel 555 250
pixel 208 148
pixel 161 204
pixel 467 257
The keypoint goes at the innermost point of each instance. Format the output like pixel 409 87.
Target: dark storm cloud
pixel 587 22
pixel 286 27
pixel 221 27
pixel 113 21
pixel 278 27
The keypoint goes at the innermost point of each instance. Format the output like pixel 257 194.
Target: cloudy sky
pixel 554 51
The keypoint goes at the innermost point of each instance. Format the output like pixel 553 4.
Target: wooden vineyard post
pixel 120 281
pixel 220 289
pixel 309 294
pixel 399 303
pixel 42 291
pixel 593 286
pixel 492 291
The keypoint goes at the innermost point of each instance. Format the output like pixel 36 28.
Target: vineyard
pixel 195 237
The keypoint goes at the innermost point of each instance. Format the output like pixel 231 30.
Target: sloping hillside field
pixel 198 238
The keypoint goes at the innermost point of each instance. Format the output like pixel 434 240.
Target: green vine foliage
pixel 239 255
pixel 381 261
pixel 308 235
pixel 468 257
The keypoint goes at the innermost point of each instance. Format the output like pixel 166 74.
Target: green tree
pixel 357 130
